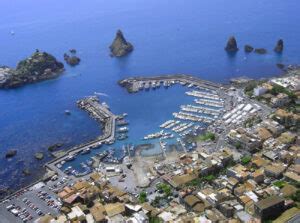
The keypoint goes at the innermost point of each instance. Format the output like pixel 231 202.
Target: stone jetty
pixel 135 84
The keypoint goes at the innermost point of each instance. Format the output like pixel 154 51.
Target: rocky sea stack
pixel 260 50
pixel 248 48
pixel 40 66
pixel 231 45
pixel 279 46
pixel 72 59
pixel 120 47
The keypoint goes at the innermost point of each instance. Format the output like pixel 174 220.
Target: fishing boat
pixel 70 158
pixel 85 151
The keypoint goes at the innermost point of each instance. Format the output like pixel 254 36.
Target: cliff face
pixel 231 45
pixel 39 66
pixel 120 47
pixel 279 46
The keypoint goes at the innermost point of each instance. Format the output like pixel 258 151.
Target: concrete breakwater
pixel 135 84
pixel 102 114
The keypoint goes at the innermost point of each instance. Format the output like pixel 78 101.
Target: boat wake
pixel 101 94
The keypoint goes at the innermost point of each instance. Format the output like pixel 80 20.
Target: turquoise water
pixel 169 37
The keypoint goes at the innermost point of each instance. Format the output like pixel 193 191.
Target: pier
pixel 135 84
pixel 102 114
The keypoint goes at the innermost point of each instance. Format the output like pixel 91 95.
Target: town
pixel 242 165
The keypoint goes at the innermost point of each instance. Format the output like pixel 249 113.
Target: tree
pixel 143 197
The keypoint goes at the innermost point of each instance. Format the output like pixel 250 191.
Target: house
pixel 113 209
pixel 270 207
pixel 274 170
pixel 280 100
pixel 287 118
pixel 291 215
pixel 76 214
pixel 98 213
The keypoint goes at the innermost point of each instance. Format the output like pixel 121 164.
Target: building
pixel 280 100
pixel 259 90
pixel 269 208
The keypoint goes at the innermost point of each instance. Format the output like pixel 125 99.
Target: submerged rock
pixel 280 66
pixel 260 50
pixel 120 47
pixel 26 172
pixel 248 48
pixel 279 46
pixel 11 153
pixel 40 66
pixel 39 155
pixel 231 45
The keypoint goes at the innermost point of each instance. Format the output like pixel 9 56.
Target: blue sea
pixel 168 36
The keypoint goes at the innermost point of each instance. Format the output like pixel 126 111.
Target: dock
pixel 135 84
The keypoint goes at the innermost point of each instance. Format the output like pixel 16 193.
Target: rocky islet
pixel 120 46
pixel 39 66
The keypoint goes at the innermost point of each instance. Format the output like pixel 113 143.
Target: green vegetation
pixel 238 145
pixel 245 160
pixel 248 90
pixel 279 183
pixel 209 178
pixel 155 220
pixel 199 182
pixel 296 197
pixel 252 121
pixel 142 197
pixel 165 188
pixel 206 137
pixel 279 89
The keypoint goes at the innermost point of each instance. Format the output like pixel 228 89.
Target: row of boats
pixel 205 95
pixel 192 117
pixel 161 134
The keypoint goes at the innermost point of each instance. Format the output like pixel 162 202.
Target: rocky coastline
pixel 39 66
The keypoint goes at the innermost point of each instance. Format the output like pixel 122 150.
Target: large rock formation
pixel 279 46
pixel 231 45
pixel 39 66
pixel 120 47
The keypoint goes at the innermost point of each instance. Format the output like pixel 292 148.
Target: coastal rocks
pixel 39 155
pixel 54 147
pixel 72 59
pixel 279 46
pixel 231 45
pixel 26 172
pixel 260 51
pixel 40 66
pixel 248 48
pixel 10 153
pixel 120 47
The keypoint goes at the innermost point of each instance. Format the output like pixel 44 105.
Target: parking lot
pixel 29 205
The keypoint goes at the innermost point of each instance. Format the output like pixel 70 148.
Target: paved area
pixel 29 205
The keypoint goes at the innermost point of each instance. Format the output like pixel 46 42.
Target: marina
pixel 191 119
